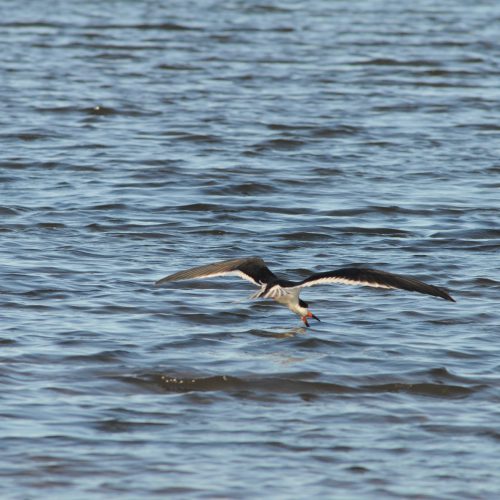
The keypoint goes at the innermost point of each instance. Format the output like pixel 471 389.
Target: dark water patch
pixel 119 228
pixel 51 225
pixel 438 375
pixel 346 212
pixel 41 293
pixel 115 425
pixel 481 281
pixel 302 210
pixel 114 309
pixel 336 131
pixel 356 469
pixel 383 144
pixel 284 385
pixel 5 179
pixel 443 73
pixel 470 234
pixel 196 138
pixel 386 61
pixel 83 168
pixel 485 247
pixel 274 60
pixel 120 53
pixel 99 228
pixel 264 8
pixel 289 447
pixel 374 231
pixel 68 109
pixel 212 232
pixel 448 321
pixel 456 244
pixel 99 110
pixel 29 136
pixel 7 342
pixel 490 433
pixel 312 130
pixel 386 209
pixel 91 146
pixel 426 389
pixel 304 236
pixel 72 342
pixel 32 24
pixel 393 209
pixel 278 144
pixel 117 355
pixel 399 107
pixel 206 207
pixel 162 26
pixel 441 373
pixel 245 189
pixel 130 111
pixel 178 67
pixel 228 383
pixel 178 491
pixel 8 211
pixel 109 206
pixel 453 429
pixel 144 235
pixel 171 171
pixel 443 84
pixel 289 128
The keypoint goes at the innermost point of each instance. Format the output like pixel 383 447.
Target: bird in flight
pixel 287 292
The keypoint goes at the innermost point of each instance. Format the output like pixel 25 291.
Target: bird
pixel 287 292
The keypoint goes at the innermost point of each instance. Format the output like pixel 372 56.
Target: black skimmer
pixel 287 292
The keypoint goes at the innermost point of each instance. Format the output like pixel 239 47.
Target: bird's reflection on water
pixel 289 332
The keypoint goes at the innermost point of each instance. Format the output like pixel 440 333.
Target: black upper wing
pixel 374 278
pixel 252 269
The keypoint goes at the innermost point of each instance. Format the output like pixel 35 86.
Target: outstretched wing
pixel 374 278
pixel 252 269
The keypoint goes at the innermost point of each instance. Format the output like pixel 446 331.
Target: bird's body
pixel 287 292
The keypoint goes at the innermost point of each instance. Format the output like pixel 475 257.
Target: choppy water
pixel 140 138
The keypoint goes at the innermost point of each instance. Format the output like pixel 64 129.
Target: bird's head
pixel 305 313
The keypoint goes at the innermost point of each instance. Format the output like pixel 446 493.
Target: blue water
pixel 142 138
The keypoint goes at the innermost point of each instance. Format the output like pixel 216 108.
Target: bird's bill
pixel 309 315
pixel 314 316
